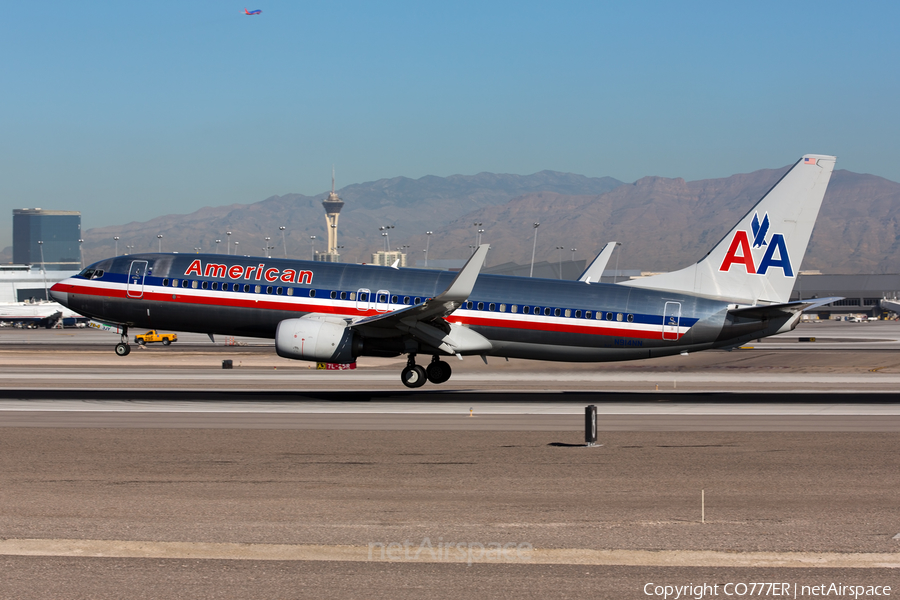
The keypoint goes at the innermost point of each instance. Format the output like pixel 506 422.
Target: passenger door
pixel 671 321
pixel 134 287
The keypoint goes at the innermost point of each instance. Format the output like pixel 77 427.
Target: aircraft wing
pixel 596 268
pixel 425 322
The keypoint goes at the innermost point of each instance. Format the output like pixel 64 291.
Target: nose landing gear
pixel 414 376
pixel 122 348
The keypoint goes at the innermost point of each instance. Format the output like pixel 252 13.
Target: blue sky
pixel 126 111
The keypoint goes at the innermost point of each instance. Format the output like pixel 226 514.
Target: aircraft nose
pixel 59 296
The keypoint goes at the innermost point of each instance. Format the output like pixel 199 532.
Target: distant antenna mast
pixel 332 179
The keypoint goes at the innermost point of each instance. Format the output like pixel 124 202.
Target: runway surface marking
pixel 437 406
pixel 437 554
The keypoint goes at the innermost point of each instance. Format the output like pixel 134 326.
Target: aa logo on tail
pixel 741 253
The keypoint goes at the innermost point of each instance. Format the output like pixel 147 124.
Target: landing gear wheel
pixel 413 376
pixel 166 341
pixel 438 371
pixel 123 349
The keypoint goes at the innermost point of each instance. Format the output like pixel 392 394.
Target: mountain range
pixel 662 223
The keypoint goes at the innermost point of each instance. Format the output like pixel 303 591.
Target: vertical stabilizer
pixel 758 261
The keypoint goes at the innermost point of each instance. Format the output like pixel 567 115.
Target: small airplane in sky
pixel 252 12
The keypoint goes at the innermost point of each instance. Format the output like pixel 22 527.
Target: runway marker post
pixel 590 425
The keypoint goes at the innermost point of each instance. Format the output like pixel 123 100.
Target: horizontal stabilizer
pixel 780 310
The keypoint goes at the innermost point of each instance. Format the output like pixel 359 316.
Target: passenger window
pixel 174 283
pixel 526 310
pixel 577 314
pixel 184 283
pixel 165 283
pixel 618 316
pixel 268 289
pixel 556 312
pixel 481 306
pixel 353 295
pixel 405 299
pixel 343 295
pixel 515 308
pixel 631 318
pixel 394 299
pixel 547 311
pixel 312 293
pixel 246 287
pixel 333 295
pixel 204 285
pixel 279 291
pixel 568 313
pixel 417 301
pixel 492 306
pixel 587 314
pixel 194 285
pixel 382 298
pixel 502 308
pixel 608 316
pixel 215 285
pixel 290 291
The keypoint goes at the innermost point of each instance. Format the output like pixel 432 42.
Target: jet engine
pixel 317 337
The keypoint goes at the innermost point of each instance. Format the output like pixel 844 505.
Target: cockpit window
pixel 87 273
pixel 97 274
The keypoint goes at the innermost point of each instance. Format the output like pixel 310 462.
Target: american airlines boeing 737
pixel 333 312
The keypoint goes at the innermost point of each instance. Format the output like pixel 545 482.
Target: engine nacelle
pixel 320 338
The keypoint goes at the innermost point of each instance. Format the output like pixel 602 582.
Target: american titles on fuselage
pixel 740 252
pixel 254 273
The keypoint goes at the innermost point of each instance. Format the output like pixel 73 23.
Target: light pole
pixel 228 235
pixel 159 237
pixel 477 231
pixel 236 244
pixel 533 247
pixel 427 242
pixel 197 250
pixel 116 239
pixel 560 248
pixel 337 250
pixel 128 249
pixel 573 254
pixel 267 247
pixel 43 273
pixel 387 236
pixel 312 247
pixel 81 252
pixel 217 245
pixel 283 240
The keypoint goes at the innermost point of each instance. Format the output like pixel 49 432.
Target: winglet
pixel 596 268
pixel 461 287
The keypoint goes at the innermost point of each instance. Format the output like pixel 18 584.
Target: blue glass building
pixel 59 230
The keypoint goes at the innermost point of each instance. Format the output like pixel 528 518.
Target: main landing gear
pixel 414 376
pixel 122 348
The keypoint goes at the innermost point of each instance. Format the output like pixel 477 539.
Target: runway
pixel 166 474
